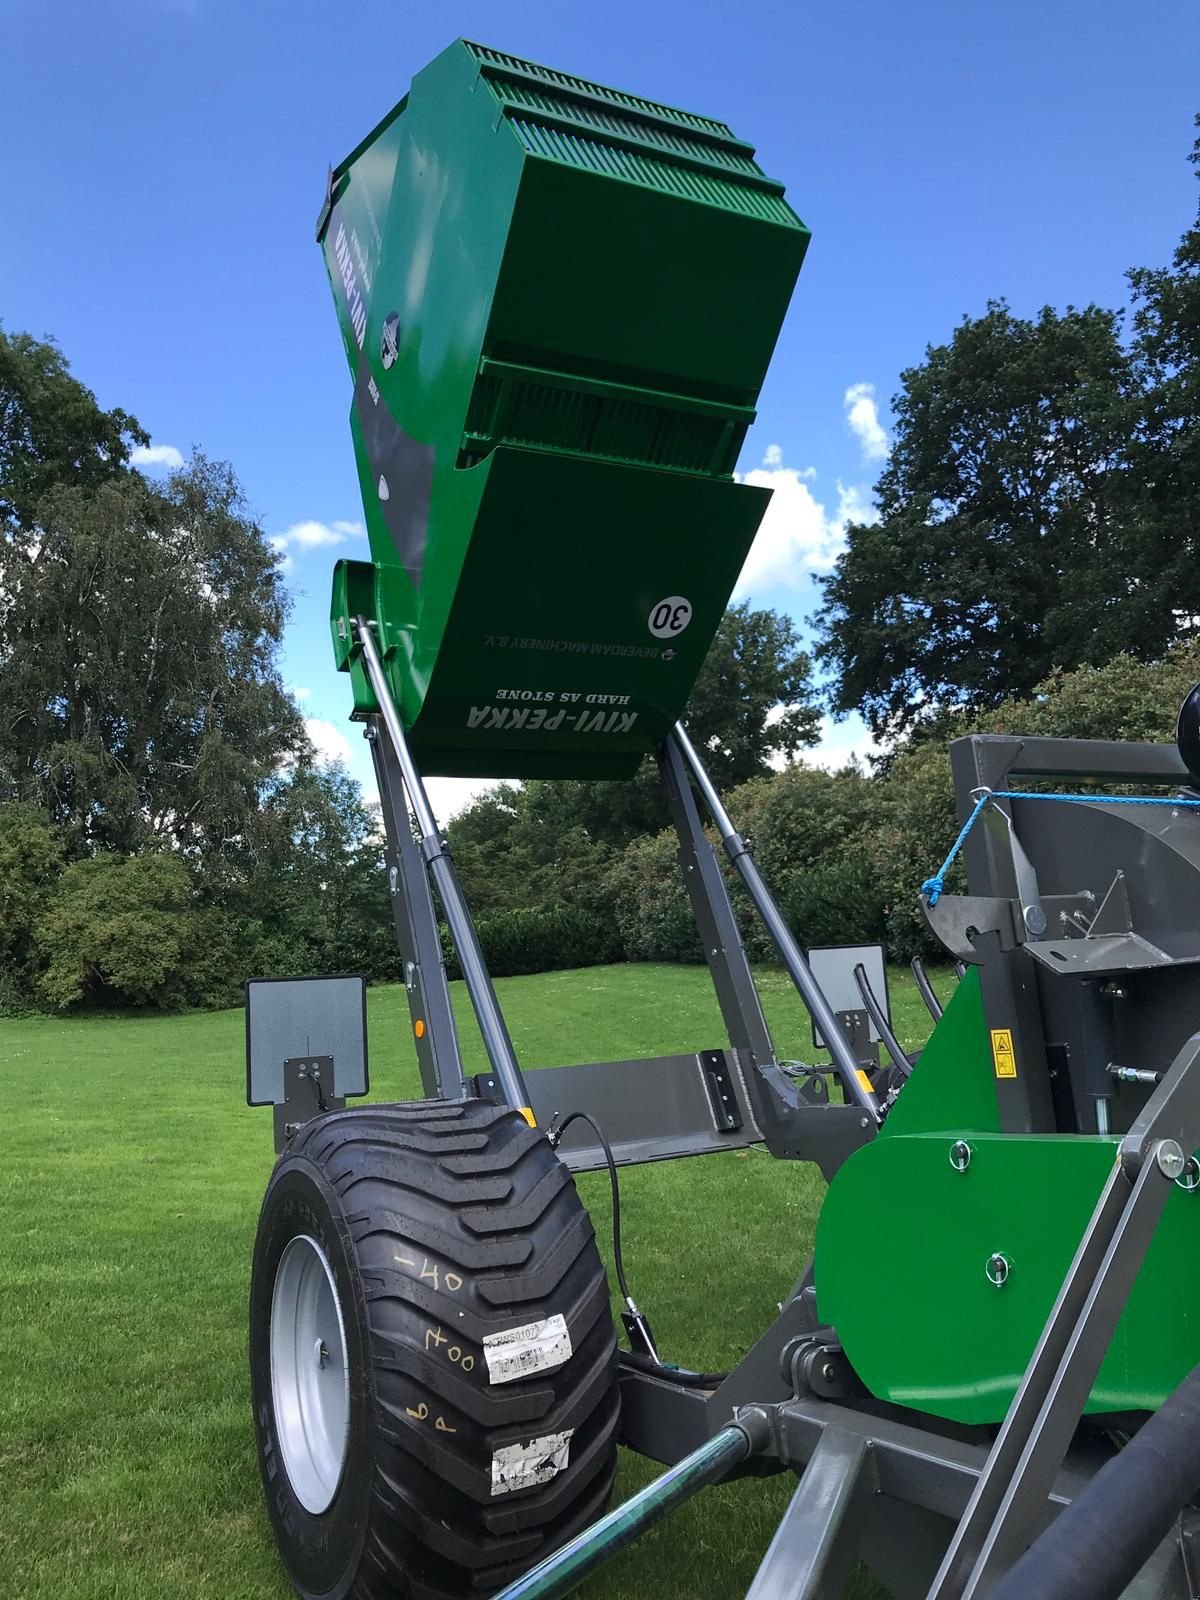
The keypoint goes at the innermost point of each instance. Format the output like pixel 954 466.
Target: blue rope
pixel 935 886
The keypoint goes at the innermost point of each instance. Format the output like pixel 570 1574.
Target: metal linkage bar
pixel 496 1040
pixel 782 937
pixel 879 1017
pixel 568 1567
pixel 813 1548
pixel 741 1007
pixel 434 1030
pixel 925 989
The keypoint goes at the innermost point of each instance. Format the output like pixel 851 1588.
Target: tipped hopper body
pixel 558 304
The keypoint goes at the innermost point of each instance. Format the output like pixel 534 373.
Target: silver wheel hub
pixel 310 1381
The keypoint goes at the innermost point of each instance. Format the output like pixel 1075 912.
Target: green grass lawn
pixel 131 1172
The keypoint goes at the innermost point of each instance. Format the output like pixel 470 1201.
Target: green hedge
pixel 540 940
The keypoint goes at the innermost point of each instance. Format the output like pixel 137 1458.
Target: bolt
pixel 864 1122
pixel 1170 1158
pixel 829 1372
pixel 960 1155
pixel 1035 920
pixel 997 1269
pixel 1189 1178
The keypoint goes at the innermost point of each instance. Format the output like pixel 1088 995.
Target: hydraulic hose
pixel 1096 1547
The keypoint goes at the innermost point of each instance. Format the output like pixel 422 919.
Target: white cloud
pixel 841 743
pixel 862 414
pixel 798 536
pixel 156 455
pixel 309 536
pixel 312 535
pixel 449 796
pixel 330 743
pixel 300 693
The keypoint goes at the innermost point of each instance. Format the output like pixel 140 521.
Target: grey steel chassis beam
pixel 435 854
pixel 815 1545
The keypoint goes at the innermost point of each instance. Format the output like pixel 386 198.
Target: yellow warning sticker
pixel 1003 1053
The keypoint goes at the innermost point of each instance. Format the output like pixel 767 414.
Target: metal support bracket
pixel 308 1089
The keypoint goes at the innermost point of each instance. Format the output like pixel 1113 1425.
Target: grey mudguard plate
pixel 650 1110
pixel 291 1017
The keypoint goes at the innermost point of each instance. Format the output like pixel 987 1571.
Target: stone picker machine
pixel 558 303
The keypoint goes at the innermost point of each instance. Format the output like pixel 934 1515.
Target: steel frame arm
pixel 436 855
pixel 790 953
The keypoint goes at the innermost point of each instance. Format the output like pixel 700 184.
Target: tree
pixel 30 862
pixel 1166 446
pixel 52 432
pixel 753 702
pixel 138 679
pixel 1009 543
pixel 318 881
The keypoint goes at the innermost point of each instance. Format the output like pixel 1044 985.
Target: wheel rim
pixel 310 1382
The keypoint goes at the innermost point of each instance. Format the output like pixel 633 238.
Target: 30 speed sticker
pixel 525 1466
pixel 533 1347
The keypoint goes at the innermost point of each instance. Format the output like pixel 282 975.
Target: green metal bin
pixel 558 303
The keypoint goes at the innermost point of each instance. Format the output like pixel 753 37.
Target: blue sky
pixel 166 160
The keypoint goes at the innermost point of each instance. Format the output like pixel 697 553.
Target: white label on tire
pixel 525 1466
pixel 533 1347
pixel 669 617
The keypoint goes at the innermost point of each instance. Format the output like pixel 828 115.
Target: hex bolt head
pixel 1170 1158
pixel 997 1269
pixel 960 1155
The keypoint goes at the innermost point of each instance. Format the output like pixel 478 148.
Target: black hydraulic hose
pixel 1096 1547
pixel 557 1131
pixel 877 1015
pixel 925 989
pixel 685 1378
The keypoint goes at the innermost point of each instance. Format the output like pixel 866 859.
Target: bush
pixel 540 940
pixel 123 931
pixel 650 904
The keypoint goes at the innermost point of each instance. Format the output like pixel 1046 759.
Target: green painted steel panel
pixel 952 1084
pixel 558 303
pixel 920 1321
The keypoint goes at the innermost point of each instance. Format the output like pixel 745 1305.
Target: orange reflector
pixel 528 1115
pixel 419 1028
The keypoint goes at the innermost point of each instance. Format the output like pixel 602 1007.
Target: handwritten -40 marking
pixel 433 1272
